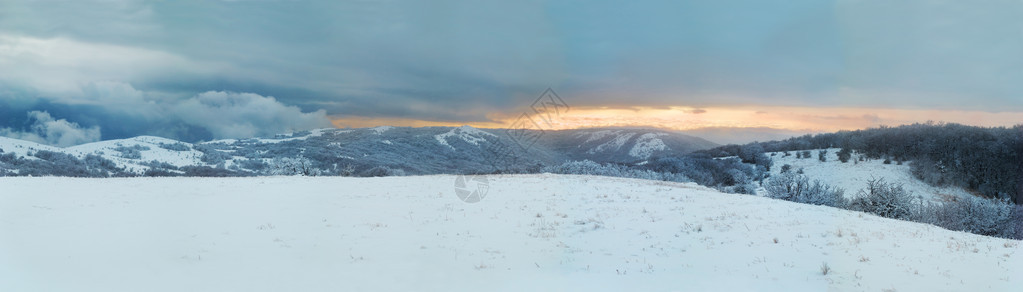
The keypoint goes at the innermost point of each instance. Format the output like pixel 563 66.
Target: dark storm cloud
pixel 460 61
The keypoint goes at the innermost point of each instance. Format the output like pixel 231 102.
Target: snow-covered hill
pixel 22 147
pixel 854 174
pixel 625 144
pixel 531 232
pixel 428 150
pixel 148 148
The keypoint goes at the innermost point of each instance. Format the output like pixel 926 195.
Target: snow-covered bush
pixel 252 164
pixel 798 188
pixel 62 164
pixel 1015 222
pixel 346 169
pixel 973 214
pixel 844 154
pixel 706 171
pixel 93 161
pixel 291 166
pixel 587 167
pixel 754 154
pixel 131 152
pixel 884 199
pixel 159 165
pixel 154 172
pixel 211 155
pixel 823 155
pixel 748 188
pixel 928 171
pixel 175 146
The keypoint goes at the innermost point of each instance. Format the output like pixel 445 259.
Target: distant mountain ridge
pixel 368 151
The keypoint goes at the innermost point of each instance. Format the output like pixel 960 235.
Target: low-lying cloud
pixel 123 111
pixel 240 115
pixel 57 132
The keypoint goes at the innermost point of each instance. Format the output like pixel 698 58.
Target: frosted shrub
pixel 587 167
pixel 175 146
pixel 291 166
pixel 884 199
pixel 844 154
pixel 211 155
pixel 133 152
pixel 825 195
pixel 749 188
pixel 974 215
pixel 754 154
pixel 797 188
pixel 1015 228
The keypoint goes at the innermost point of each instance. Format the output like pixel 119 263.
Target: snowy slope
pixel 22 147
pixel 625 144
pixel 468 134
pixel 853 175
pixel 646 144
pixel 106 150
pixel 154 152
pixel 530 233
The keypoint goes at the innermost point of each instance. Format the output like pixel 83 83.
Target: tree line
pixel 988 161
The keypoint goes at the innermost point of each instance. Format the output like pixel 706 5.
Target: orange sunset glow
pixel 802 119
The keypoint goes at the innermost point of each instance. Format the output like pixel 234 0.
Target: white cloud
pixel 47 130
pixel 242 115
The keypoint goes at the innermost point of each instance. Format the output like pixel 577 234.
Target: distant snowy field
pixel 854 174
pixel 531 232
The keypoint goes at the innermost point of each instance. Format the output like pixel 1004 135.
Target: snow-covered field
pixel 531 232
pixel 854 174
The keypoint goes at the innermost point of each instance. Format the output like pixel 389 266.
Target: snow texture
pixel 531 233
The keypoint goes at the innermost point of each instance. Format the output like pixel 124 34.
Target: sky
pixel 73 72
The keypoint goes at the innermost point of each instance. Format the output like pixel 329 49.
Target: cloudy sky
pixel 79 71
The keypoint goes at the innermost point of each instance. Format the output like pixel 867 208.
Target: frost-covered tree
pixel 844 154
pixel 754 154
